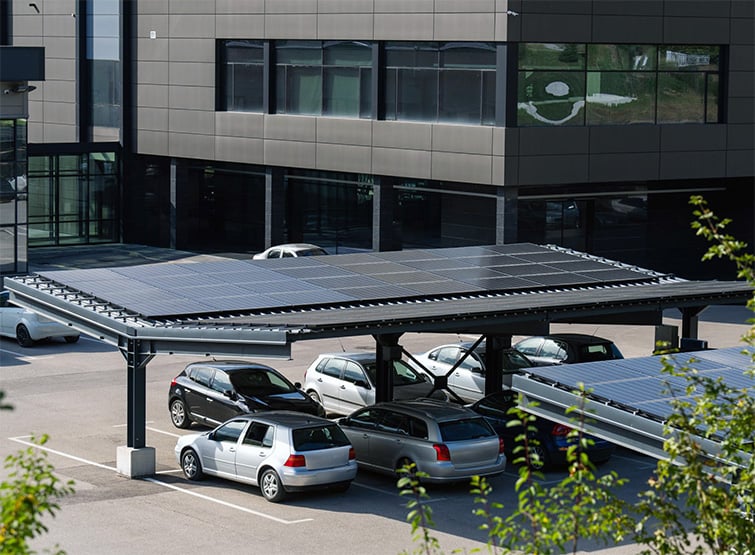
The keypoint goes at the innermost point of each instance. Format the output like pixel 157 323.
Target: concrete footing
pixel 135 462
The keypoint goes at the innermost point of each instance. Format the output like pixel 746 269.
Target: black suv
pixel 212 392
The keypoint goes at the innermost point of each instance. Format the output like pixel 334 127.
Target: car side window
pixel 471 362
pixel 529 346
pixel 331 367
pixel 287 254
pixel 4 298
pixel 366 419
pixel 258 433
pixel 201 375
pixel 230 431
pixel 221 382
pixel 416 427
pixel 448 355
pixel 394 423
pixel 553 349
pixel 352 373
pixel 274 254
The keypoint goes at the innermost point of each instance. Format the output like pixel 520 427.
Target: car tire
pixel 271 486
pixel 314 396
pixel 191 466
pixel 178 414
pixel 71 338
pixel 23 336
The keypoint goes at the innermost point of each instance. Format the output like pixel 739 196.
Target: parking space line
pixel 24 356
pixel 22 440
pixel 226 504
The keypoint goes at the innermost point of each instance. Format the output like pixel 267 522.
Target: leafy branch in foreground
pixel 420 513
pixel 30 492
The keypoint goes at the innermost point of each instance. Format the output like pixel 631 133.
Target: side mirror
pixel 231 394
pixel 297 385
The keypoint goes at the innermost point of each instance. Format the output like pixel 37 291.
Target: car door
pixel 218 452
pixel 254 449
pixel 440 361
pixel 221 399
pixel 329 382
pixel 359 428
pixel 468 379
pixel 196 391
pixel 9 315
pixel 355 390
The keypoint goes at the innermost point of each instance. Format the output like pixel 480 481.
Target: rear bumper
pixel 441 472
pixel 300 478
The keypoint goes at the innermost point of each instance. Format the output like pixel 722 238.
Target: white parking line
pixel 22 440
pixel 24 355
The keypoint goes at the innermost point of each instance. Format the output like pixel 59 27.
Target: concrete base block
pixel 135 462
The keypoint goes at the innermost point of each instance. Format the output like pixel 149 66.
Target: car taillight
pixel 352 454
pixel 295 460
pixel 441 452
pixel 560 430
pixel 173 382
pixel 500 445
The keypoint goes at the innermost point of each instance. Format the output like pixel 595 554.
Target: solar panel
pixel 185 288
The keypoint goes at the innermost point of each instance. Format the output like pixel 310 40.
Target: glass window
pixel 366 419
pixel 242 81
pixel 465 429
pixel 230 431
pixel 332 367
pixel 445 82
pixel 104 68
pixel 331 78
pixel 353 374
pixel 617 84
pixel 221 382
pixel 202 375
pixel 257 433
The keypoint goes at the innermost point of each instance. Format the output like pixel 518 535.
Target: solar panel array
pixel 637 384
pixel 227 285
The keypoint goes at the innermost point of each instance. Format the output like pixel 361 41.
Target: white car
pixel 290 250
pixel 28 327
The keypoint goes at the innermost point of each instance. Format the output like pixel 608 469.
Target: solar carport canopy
pixel 259 307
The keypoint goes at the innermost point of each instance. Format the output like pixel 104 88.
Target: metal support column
pixel 494 371
pixel 690 320
pixel 387 350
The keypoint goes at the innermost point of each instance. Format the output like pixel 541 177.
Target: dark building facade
pixel 233 125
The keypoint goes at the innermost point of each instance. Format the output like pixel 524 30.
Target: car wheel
pixel 190 465
pixel 71 338
pixel 271 487
pixel 23 336
pixel 178 414
pixel 315 397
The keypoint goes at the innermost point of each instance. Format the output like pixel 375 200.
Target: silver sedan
pixel 278 451
pixel 447 442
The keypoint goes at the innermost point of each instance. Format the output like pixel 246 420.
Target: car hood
pixel 295 400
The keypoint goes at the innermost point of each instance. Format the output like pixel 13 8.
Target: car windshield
pixel 311 252
pixel 320 437
pixel 256 382
pixel 465 429
pixel 402 373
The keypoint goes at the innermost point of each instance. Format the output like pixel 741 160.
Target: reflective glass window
pixel 681 97
pixel 242 75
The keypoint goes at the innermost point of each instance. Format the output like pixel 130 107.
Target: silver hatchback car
pixel 279 451
pixel 447 442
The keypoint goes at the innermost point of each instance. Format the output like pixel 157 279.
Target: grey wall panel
pixel 556 28
pixel 152 49
pixel 402 6
pixel 554 6
pixel 624 167
pixel 511 170
pixel 152 7
pixel 191 6
pixel 158 24
pixel 511 143
pixel 153 73
pixel 60 91
pixel 60 47
pixel 630 138
pixel 290 153
pixel 153 119
pixel 627 28
pixel 693 137
pixel 464 26
pixel 741 83
pixel 692 165
pixel 498 170
pixel 741 58
pixel 741 110
pixel 356 132
pixel 541 170
pixel 462 139
pixel 553 140
pixel 696 30
pixel 155 96
pixel 191 121
pixel 345 26
pixel 628 7
pixel 501 29
pixel 189 73
pixel 184 145
pixel 740 163
pixel 467 6
pixel 60 68
pixel 404 162
pixel 743 8
pixel 240 149
pixel 60 25
pixel 57 133
pixel 740 136
pixel 464 168
pixel 152 142
pixel 290 26
pixel 238 124
pixel 192 50
pixel 193 98
pixel 240 26
pixel 399 134
pixel 291 128
pixel 344 158
pixel 292 6
pixel 696 8
pixel 499 141
pixel 239 6
pixel 339 6
pixel 191 26
pixel 406 26
pixel 742 31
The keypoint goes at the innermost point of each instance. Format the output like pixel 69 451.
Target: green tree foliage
pixel 30 492
pixel 701 499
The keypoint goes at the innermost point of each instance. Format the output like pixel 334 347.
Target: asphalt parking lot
pixel 77 394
